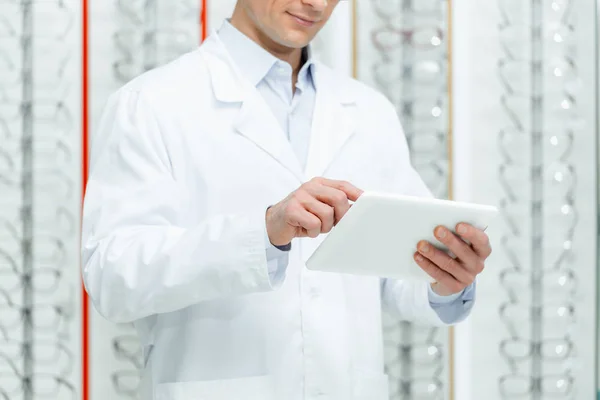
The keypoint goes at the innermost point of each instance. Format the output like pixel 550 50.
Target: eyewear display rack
pixel 539 76
pixel 37 228
pixel 411 69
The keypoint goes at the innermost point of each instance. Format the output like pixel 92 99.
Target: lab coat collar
pixel 223 68
pixel 333 118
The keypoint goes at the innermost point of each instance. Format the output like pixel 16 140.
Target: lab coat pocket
pixel 371 386
pixel 254 388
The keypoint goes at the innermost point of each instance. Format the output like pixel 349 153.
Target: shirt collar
pixel 305 76
pixel 241 49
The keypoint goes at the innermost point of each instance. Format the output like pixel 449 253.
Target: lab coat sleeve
pixel 418 303
pixel 139 257
pixel 412 301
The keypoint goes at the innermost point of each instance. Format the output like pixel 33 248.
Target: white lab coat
pixel 186 160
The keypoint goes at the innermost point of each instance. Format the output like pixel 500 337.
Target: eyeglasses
pixel 426 72
pixel 42 317
pixel 127 347
pixel 430 389
pixel 392 9
pixel 434 173
pixel 562 283
pixel 49 77
pixel 45 151
pixel 53 183
pixel 524 385
pixel 50 117
pixel 130 9
pixel 167 43
pixel 423 112
pixel 41 386
pixel 555 39
pixel 557 249
pixel 43 352
pixel 424 353
pixel 550 327
pixel 559 74
pixel 423 341
pixel 134 10
pixel 514 144
pixel 558 109
pixel 42 280
pixel 172 40
pixel 393 328
pixel 388 38
pixel 46 41
pixel 51 221
pixel 433 143
pixel 557 206
pixel 555 11
pixel 520 349
pixel 518 316
pixel 47 249
pixel 126 383
pixel 560 179
pixel 58 11
pixel 48 161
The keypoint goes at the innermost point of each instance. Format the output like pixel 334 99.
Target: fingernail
pixel 419 258
pixel 441 233
pixel 425 248
pixel 462 229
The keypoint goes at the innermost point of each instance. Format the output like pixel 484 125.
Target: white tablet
pixel 378 236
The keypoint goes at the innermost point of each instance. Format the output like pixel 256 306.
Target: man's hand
pixel 315 208
pixel 452 275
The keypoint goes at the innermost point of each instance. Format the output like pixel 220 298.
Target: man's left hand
pixel 453 275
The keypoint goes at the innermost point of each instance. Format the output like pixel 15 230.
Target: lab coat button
pixel 315 292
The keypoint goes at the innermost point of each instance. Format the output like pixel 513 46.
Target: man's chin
pixel 297 40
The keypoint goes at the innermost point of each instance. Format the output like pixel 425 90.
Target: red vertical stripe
pixel 203 20
pixel 85 351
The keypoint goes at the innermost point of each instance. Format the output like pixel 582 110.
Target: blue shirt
pixel 293 110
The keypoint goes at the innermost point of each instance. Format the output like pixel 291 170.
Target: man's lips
pixel 303 20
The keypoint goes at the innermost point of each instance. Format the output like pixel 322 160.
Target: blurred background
pixel 499 101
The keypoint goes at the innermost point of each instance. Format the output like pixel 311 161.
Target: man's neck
pixel 242 22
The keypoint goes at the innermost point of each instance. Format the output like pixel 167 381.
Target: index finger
pixel 479 239
pixel 352 192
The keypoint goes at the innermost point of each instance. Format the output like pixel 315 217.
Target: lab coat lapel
pixel 333 121
pixel 255 121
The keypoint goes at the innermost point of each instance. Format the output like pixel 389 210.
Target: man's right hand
pixel 315 208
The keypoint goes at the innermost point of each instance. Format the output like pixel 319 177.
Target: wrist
pixel 280 244
pixel 441 290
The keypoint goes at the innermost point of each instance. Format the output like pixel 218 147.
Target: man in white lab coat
pixel 214 178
